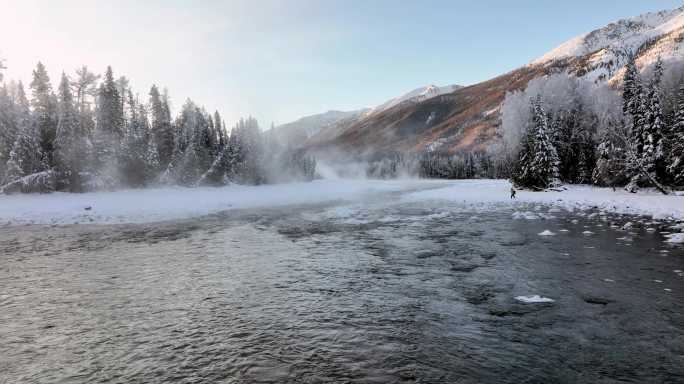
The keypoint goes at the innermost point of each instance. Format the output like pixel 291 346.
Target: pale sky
pixel 278 60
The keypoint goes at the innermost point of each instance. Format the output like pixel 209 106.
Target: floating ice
pixel 587 233
pixel 525 216
pixel 546 233
pixel 533 299
pixel 677 238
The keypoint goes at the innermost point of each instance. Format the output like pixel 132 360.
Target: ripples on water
pixel 364 293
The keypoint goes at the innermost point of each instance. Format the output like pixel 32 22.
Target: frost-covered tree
pixel 193 146
pixel 123 87
pixel 162 128
pixel 44 105
pixel 109 110
pixel 109 130
pixel 654 129
pixel 25 158
pixel 538 162
pixel 221 131
pixel 70 143
pixel 676 154
pixel 138 157
pixel 84 86
pixel 8 129
pixel 610 163
pixel 631 88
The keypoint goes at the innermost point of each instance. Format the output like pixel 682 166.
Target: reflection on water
pixel 365 293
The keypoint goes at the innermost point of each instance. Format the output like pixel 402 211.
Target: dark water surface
pixel 364 293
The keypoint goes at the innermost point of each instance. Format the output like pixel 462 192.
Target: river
pixel 374 291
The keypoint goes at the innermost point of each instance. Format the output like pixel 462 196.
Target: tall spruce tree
pixel 138 157
pixel 676 153
pixel 109 110
pixel 70 142
pixel 162 128
pixel 109 131
pixel 653 135
pixel 538 160
pixel 44 106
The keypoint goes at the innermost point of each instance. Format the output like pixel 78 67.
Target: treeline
pixel 93 135
pixel 437 165
pixel 635 141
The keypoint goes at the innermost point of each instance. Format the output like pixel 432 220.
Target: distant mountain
pixel 467 117
pixel 297 132
pixel 327 123
pixel 415 96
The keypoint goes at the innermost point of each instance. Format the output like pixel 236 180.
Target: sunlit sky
pixel 280 60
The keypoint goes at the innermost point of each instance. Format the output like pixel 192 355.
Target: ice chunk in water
pixel 546 233
pixel 675 238
pixel 534 299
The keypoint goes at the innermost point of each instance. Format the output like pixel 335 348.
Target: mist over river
pixel 372 291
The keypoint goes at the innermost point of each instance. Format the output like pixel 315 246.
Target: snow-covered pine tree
pixel 8 129
pixel 124 89
pixel 609 170
pixel 44 105
pixel 151 158
pixel 161 125
pixel 221 131
pixel 84 86
pixel 22 108
pixel 70 142
pixel 653 136
pixel 631 88
pixel 545 154
pixel 25 158
pixel 636 105
pixel 110 119
pixel 109 131
pixel 538 161
pixel 138 157
pixel 190 158
pixel 522 174
pixel 676 154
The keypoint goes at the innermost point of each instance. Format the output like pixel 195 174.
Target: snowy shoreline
pixel 575 197
pixel 160 204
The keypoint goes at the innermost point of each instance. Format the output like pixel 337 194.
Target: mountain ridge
pixel 468 117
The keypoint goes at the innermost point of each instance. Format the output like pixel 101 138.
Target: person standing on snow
pixel 512 193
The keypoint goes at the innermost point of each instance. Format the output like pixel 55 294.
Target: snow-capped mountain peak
pixel 416 95
pixel 621 37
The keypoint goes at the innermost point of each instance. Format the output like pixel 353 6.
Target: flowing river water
pixel 373 291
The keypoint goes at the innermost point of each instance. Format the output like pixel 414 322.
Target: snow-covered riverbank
pixel 575 197
pixel 149 205
pixel 158 204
